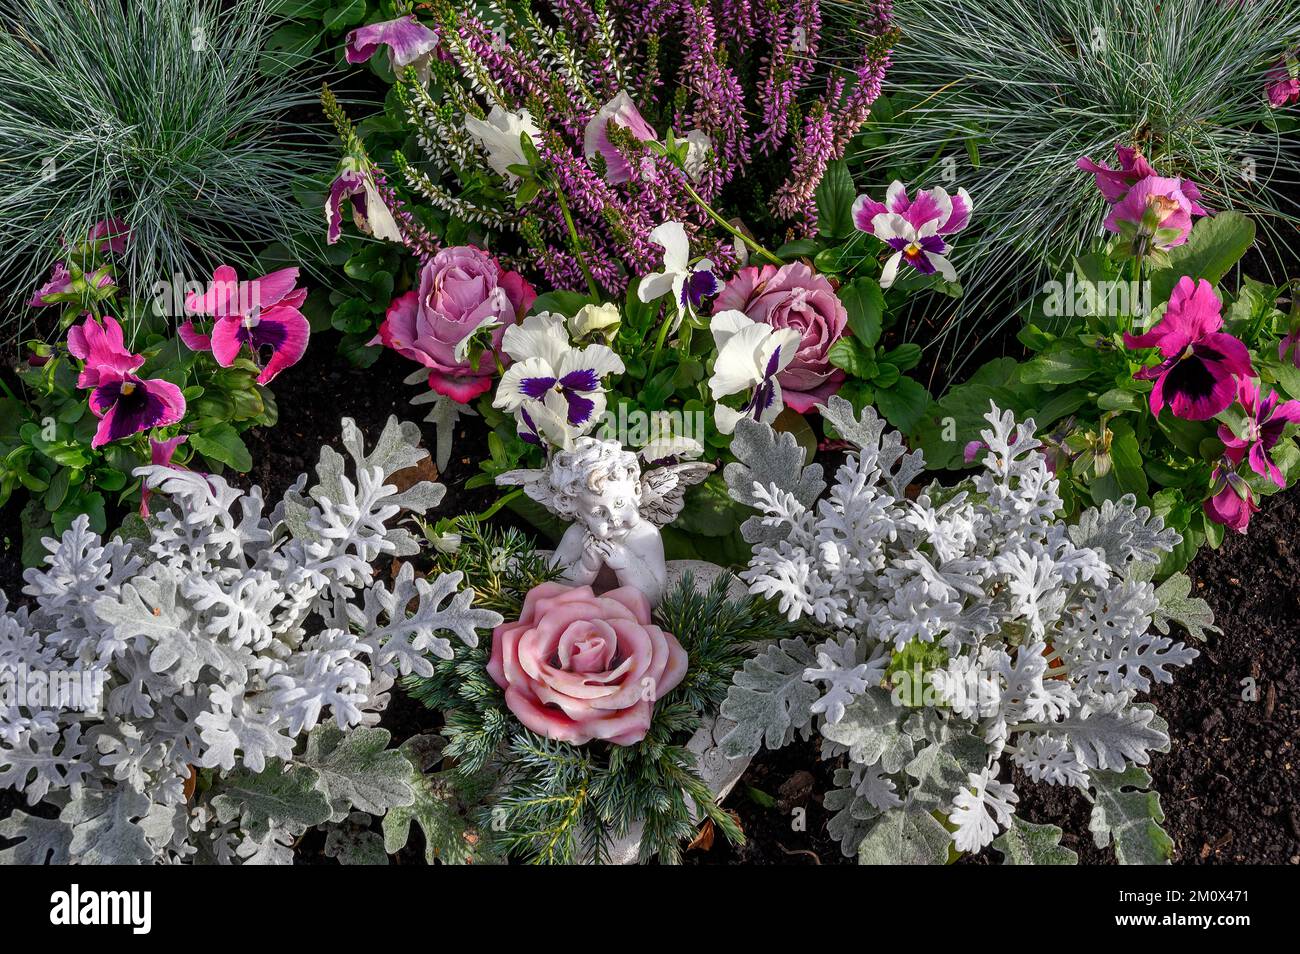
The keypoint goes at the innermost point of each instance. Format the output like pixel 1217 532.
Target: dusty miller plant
pixel 236 661
pixel 954 633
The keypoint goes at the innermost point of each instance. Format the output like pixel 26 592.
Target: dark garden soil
pixel 1228 786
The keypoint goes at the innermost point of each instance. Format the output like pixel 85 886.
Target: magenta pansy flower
pixel 1282 84
pixel 160 454
pixel 263 314
pixel 1289 348
pixel 1196 377
pixel 914 228
pixel 577 666
pixel 109 235
pixel 60 283
pixel 461 289
pixel 1266 419
pixel 408 40
pixel 1135 190
pixel 795 297
pixel 1113 183
pixel 128 404
pixel 1231 501
pixel 103 349
pixel 1170 203
pixel 124 402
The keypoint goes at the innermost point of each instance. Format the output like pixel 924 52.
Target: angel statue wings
pixel 617 511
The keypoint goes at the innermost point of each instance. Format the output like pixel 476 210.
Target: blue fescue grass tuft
pixel 171 115
pixel 1002 96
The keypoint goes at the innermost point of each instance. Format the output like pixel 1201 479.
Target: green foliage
pixel 553 802
pixel 46 427
pixel 1127 812
pixel 1094 417
pixel 156 113
pixel 1025 843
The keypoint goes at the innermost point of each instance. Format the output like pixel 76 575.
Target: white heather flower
pixel 750 356
pixel 499 136
pixel 980 810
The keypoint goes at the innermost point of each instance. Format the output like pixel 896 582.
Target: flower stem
pixel 491 511
pixel 659 345
pixel 577 245
pixel 754 246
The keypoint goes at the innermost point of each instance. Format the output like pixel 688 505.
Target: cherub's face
pixel 612 511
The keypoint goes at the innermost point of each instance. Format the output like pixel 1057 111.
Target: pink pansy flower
pixel 124 402
pixel 461 289
pixel 1163 206
pixel 103 349
pixel 109 235
pixel 577 666
pixel 1113 183
pixel 1231 501
pixel 971 452
pixel 1266 419
pixel 160 454
pixel 1289 346
pixel 620 111
pixel 61 283
pixel 793 296
pixel 263 314
pixel 914 228
pixel 1196 377
pixel 1283 84
pixel 409 42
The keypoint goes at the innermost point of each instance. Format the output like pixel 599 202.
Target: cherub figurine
pixel 617 511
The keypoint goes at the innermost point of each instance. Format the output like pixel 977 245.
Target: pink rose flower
pixel 460 289
pixel 793 296
pixel 578 667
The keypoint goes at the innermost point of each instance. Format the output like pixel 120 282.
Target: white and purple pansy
pixel 914 228
pixel 689 283
pixel 409 42
pixel 555 389
pixel 263 314
pixel 355 183
pixel 751 354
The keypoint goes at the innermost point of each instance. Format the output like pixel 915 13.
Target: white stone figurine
pixel 617 511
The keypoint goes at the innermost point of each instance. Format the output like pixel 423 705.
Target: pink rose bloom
pixel 460 289
pixel 792 296
pixel 578 667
